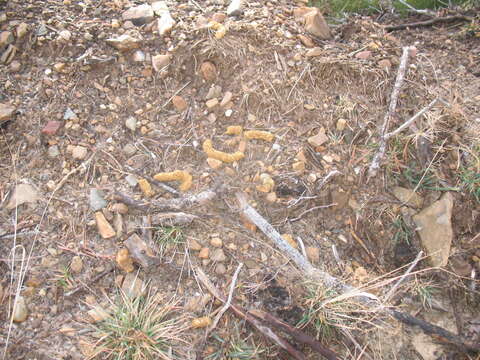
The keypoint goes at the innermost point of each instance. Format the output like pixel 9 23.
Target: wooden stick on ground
pixel 265 330
pixel 329 281
pixel 402 69
pixel 430 22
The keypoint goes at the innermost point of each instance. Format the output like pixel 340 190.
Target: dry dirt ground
pixel 358 232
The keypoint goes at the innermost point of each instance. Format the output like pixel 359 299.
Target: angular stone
pixel 124 42
pixel 313 254
pixel 306 41
pixel 160 62
pixel 319 139
pixel 51 127
pixel 104 228
pixel 204 253
pixel 316 51
pixel 179 103
pixel 23 193
pixel 235 8
pixel 6 37
pixel 165 24
pixel 131 123
pixel 139 15
pixel 227 97
pixel 133 286
pixel 408 197
pixel 76 265
pixel 211 103
pixel 21 30
pixel 120 208
pixel 363 55
pixel 341 124
pixel 299 13
pixel 208 71
pixel 6 112
pixel 385 64
pixel 216 242
pixel 194 245
pixel 79 152
pixel 316 25
pixel 53 151
pixel 435 229
pixel 97 202
pixel 218 255
pixel 214 163
pixel 159 7
pixel 20 311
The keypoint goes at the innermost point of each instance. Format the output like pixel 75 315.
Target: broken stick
pixel 329 281
pixel 430 22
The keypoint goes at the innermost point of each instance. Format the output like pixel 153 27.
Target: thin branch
pixel 403 277
pixel 430 22
pixel 310 210
pixel 377 159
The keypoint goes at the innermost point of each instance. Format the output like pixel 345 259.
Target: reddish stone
pixel 363 55
pixel 52 127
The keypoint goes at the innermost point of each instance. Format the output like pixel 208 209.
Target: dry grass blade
pixel 140 328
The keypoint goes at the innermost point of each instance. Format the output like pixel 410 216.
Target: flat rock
pixel 408 197
pixel 363 55
pixel 6 37
pixel 319 139
pixel 218 255
pixel 20 310
pixel 133 286
pixel 435 229
pixel 139 15
pixel 179 103
pixel 160 62
pixel 124 42
pixel 51 127
pixel 104 228
pixel 79 152
pixel 97 201
pixel 316 25
pixel 165 24
pixel 23 193
pixel 69 114
pixel 6 112
pixel 76 265
pixel 131 123
pixel 235 8
pixel 316 51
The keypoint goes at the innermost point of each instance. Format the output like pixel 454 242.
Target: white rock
pixel 131 123
pixel 20 311
pixel 23 193
pixel 79 152
pixel 165 24
pixel 139 56
pixel 139 15
pixel 235 8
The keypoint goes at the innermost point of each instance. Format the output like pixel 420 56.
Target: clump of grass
pixel 470 182
pixel 328 312
pixel 235 348
pixel 403 233
pixel 168 237
pixel 142 328
pixel 65 278
pixel 425 291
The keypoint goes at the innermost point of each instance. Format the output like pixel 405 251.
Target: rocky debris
pixel 8 54
pixel 313 254
pixel 363 55
pixel 97 201
pixel 51 127
pixel 204 253
pixel 104 228
pixel 215 91
pixel 214 163
pixel 160 62
pixel 69 114
pixel 306 41
pixel 53 151
pixel 140 252
pixel 211 103
pixel 131 180
pixel 120 208
pixel 76 265
pixel 165 24
pixel 64 36
pixel 138 56
pixel 124 42
pixel 20 310
pixel 179 103
pixel 15 66
pixel 227 97
pixel 194 245
pixel 220 269
pixel 6 38
pixel 124 261
pixel 216 242
pixel 133 286
pixel 6 112
pixel 408 197
pixel 159 7
pixel 435 229
pixel 98 314
pixel 341 124
pixel 319 139
pixel 316 51
pixel 139 15
pixel 131 123
pixel 208 71
pixel 197 303
pixel 460 266
pixel 23 193
pixel 218 255
pixel 235 8
pixel 79 152
pixel 316 25
pixel 385 64
pixel 21 30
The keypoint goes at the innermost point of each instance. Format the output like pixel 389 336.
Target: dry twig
pixel 430 22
